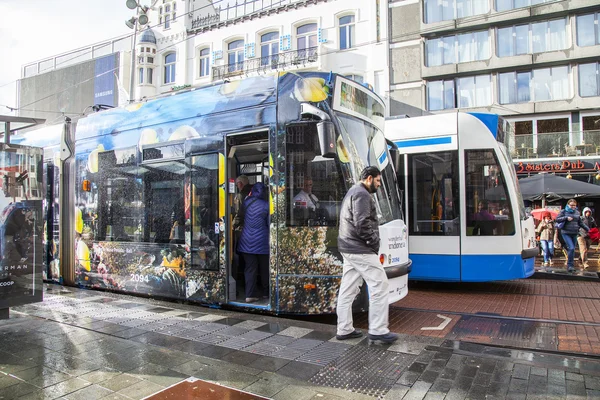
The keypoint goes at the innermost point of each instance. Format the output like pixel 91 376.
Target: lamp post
pixel 132 23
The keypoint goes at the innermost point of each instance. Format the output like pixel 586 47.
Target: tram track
pixel 498 316
pixel 522 287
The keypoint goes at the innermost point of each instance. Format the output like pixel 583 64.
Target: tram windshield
pixel 369 148
pixel 361 118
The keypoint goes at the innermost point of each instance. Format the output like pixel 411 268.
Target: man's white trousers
pixel 359 267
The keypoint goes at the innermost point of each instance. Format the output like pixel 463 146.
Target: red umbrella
pixel 539 213
pixel 594 234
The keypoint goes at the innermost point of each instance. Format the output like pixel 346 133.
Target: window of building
pixel 464 48
pixel 150 72
pixel 532 38
pixel 474 91
pixel 204 63
pixel 523 134
pixel 444 10
pixel 440 95
pixel 355 78
pixel 514 87
pixel 150 60
pixel 589 80
pixel 433 203
pixel 504 5
pixel 141 76
pixel 168 13
pixel 346 32
pixel 235 55
pixel 269 49
pixel 306 37
pixel 551 83
pixel 170 68
pixel 487 202
pixel 471 91
pixel 590 122
pixel 538 85
pixel 544 137
pixel 588 31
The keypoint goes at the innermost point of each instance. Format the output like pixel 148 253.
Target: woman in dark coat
pixel 570 217
pixel 254 241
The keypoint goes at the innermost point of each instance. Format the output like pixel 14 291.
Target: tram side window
pixel 433 201
pixel 314 184
pixel 487 201
pixel 118 213
pixel 164 202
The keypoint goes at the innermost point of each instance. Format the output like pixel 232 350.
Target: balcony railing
pixel 560 144
pixel 297 58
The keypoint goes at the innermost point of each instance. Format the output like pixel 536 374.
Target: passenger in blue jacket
pixel 572 222
pixel 254 241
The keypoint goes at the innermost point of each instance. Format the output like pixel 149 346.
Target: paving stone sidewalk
pixel 81 344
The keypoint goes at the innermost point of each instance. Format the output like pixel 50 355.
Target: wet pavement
pixel 81 344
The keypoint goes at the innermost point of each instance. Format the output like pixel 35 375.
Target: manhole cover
pixel 506 332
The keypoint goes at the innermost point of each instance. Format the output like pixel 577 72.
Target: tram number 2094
pixel 139 278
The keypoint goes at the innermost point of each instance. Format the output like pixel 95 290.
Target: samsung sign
pixel 104 80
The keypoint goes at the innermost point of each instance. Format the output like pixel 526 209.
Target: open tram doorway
pixel 247 156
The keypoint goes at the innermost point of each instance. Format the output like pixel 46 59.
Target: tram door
pixel 247 157
pixel 204 193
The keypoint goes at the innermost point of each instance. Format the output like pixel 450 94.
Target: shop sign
pixel 557 166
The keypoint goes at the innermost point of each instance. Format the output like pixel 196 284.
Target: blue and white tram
pixel 465 213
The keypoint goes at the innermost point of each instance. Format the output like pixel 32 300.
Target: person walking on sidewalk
pixel 583 240
pixel 546 231
pixel 358 241
pixel 569 222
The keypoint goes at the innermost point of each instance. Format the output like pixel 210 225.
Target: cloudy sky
pixel 32 30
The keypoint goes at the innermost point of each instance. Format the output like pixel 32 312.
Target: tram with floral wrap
pixel 146 191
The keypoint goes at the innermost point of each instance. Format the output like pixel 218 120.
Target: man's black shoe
pixel 387 338
pixel 352 335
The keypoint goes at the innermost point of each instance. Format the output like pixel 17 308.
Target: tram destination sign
pixel 352 98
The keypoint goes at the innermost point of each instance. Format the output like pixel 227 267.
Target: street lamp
pixel 132 23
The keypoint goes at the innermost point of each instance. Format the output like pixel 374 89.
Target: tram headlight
pixel 382 258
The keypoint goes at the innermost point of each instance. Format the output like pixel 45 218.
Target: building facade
pixel 533 61
pixel 192 43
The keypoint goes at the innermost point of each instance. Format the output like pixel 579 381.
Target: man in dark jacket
pixel 570 219
pixel 358 241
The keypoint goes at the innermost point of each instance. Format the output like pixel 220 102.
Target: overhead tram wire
pixel 407 34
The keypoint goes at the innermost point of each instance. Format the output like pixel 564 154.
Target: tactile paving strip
pixel 365 370
pixel 324 354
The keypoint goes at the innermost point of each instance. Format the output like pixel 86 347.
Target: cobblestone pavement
pixel 554 315
pixel 89 345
